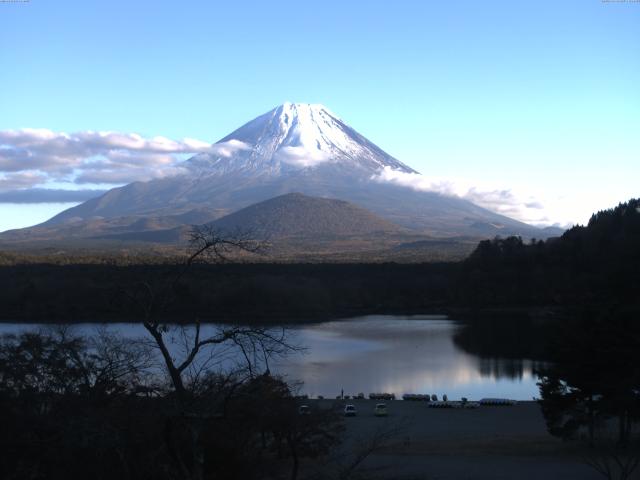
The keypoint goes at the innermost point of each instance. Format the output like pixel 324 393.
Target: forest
pixel 588 265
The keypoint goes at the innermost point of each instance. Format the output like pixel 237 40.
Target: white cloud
pixel 505 201
pixel 36 157
pixel 228 148
pixel 122 176
pixel 17 180
pixel 301 156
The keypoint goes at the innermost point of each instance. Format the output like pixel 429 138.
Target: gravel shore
pixel 494 443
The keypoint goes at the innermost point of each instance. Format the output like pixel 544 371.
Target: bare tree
pixel 255 344
pixel 59 361
pixel 189 369
pixel 61 391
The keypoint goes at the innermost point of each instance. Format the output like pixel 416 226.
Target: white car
pixel 304 410
pixel 380 410
pixel 350 410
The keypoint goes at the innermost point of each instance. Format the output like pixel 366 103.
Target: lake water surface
pixel 395 354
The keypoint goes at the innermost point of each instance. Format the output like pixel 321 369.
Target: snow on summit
pixel 305 148
pixel 296 136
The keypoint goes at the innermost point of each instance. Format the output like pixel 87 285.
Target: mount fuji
pixel 294 137
pixel 295 147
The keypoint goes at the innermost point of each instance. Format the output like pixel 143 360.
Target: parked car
pixel 380 410
pixel 350 410
pixel 304 410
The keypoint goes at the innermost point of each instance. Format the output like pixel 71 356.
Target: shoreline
pixel 456 313
pixel 497 443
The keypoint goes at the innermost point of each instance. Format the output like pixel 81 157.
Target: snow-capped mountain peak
pixel 291 137
pixel 295 147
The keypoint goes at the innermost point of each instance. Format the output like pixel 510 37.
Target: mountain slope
pixel 295 214
pixel 297 148
pixel 124 228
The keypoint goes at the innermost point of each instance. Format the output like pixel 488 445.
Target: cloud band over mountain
pixel 40 157
pixel 500 200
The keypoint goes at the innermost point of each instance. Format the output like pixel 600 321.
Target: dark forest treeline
pixel 597 264
pixel 594 264
pixel 43 292
pixel 590 273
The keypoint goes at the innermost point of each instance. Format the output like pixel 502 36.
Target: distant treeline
pixel 243 292
pixel 590 274
pixel 597 264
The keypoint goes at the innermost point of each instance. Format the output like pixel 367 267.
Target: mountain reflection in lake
pixel 398 354
pixel 401 354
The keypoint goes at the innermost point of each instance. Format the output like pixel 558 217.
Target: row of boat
pixel 446 403
pixel 454 404
pixel 433 400
pixel 382 396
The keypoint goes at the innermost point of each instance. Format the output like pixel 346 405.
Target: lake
pixel 390 353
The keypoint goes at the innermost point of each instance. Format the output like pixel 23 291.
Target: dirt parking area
pixel 492 443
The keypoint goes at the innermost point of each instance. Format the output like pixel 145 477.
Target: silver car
pixel 350 410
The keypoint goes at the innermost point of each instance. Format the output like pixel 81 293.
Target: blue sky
pixel 538 98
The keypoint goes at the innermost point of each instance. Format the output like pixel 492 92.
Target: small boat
pixel 416 397
pixel 454 404
pixel 382 396
pixel 442 405
pixel 497 402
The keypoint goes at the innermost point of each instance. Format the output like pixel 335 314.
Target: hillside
pixel 295 214
pixel 128 228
